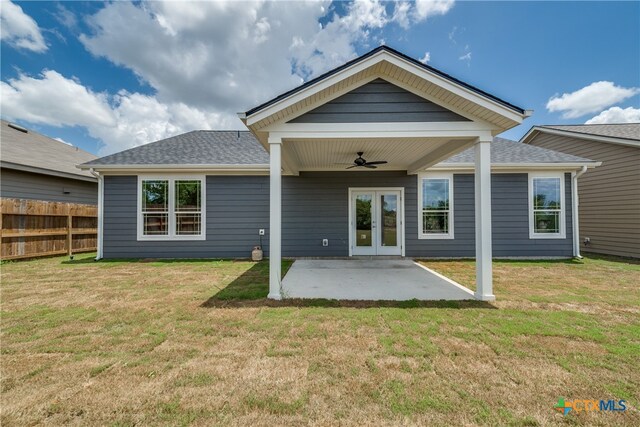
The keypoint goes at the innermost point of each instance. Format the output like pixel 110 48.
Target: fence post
pixel 69 234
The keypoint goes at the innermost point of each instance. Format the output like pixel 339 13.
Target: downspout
pixel 574 211
pixel 100 179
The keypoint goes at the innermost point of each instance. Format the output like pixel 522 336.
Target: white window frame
pixel 431 175
pixel 563 217
pixel 172 207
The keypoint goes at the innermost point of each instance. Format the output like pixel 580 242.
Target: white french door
pixel 375 223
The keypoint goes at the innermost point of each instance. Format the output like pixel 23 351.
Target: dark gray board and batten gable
pixel 379 101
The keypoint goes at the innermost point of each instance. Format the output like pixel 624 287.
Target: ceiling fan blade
pixel 379 162
pixel 370 166
pixel 343 163
pixel 352 166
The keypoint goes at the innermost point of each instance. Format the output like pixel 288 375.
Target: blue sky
pixel 106 77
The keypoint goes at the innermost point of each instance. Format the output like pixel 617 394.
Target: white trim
pixel 514 167
pixel 402 63
pixel 572 134
pixel 575 213
pixel 441 153
pixel 563 217
pixel 275 219
pixel 347 130
pixel 100 237
pixel 446 279
pixel 434 236
pixel 482 196
pixel 182 167
pixel 401 214
pixel 172 236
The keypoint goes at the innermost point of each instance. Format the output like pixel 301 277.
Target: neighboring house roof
pixel 371 53
pixel 619 133
pixel 241 150
pixel 26 150
pixel 196 148
pixel 508 152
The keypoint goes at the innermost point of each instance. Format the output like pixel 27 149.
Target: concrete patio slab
pixel 374 280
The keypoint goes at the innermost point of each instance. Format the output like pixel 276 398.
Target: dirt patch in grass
pixel 197 343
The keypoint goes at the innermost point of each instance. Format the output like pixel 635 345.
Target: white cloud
pixel 405 13
pixel 466 56
pixel 427 8
pixel 590 99
pixel 66 17
pixel 63 141
pixel 401 14
pixel 616 115
pixel 230 56
pixel 20 30
pixel 121 121
pixel 205 61
pixel 55 100
pixel 426 58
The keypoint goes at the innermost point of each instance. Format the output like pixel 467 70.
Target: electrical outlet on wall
pixel 261 232
pixel 325 242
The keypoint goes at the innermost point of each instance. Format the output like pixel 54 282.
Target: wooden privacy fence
pixel 33 228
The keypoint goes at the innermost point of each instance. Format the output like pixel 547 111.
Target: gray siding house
pixel 610 195
pixel 383 156
pixel 34 166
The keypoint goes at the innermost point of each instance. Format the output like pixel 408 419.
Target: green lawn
pixel 196 343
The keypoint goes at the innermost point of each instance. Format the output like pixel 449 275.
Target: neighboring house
pixel 436 178
pixel 610 195
pixel 34 166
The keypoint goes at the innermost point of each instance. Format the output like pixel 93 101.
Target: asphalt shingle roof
pixel 242 148
pixel 621 130
pixel 201 147
pixel 38 151
pixel 507 151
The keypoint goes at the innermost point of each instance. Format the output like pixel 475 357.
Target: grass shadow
pixel 92 260
pixel 570 261
pixel 611 258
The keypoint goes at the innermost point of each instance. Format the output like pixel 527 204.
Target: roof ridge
pixel 369 54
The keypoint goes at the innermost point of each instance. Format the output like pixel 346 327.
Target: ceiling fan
pixel 360 162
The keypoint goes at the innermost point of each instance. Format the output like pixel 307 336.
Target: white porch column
pixel 275 217
pixel 484 275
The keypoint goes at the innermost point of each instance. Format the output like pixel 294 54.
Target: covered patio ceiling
pixel 401 153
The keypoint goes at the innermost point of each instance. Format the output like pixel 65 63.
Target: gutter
pixel 574 211
pixel 100 179
pixel 515 166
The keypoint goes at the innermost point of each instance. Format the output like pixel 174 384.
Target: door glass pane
pixel 389 226
pixel 363 219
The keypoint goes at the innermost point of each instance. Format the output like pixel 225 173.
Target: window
pixel 435 206
pixel 171 208
pixel 155 207
pixel 546 206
